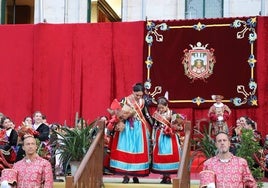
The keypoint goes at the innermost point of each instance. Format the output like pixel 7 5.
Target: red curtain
pixel 66 69
pixel 56 82
pixel 82 67
pixel 16 65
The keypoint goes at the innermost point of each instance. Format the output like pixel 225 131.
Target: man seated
pixel 32 170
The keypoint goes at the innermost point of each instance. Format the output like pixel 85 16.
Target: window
pixel 17 11
pixel 203 9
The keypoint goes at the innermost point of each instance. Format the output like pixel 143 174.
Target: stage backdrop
pixel 195 59
pixel 68 68
pixel 61 69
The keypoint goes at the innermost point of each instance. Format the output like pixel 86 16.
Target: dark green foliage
pixel 247 147
pixel 205 144
pixel 73 143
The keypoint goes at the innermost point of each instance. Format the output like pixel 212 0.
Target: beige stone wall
pixel 75 11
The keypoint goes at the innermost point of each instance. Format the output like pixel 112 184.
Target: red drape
pixel 67 68
pixel 85 66
pixel 16 67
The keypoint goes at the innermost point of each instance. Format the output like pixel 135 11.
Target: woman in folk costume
pixel 166 137
pixel 219 113
pixel 130 142
pixel 25 129
pixel 8 139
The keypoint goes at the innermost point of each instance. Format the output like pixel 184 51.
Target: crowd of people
pixel 21 165
pixel 138 141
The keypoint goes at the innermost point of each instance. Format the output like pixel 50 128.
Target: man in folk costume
pixel 225 169
pixel 219 113
pixel 33 170
pixel 166 137
pixel 130 142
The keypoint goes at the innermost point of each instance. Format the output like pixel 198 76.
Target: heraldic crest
pixel 198 62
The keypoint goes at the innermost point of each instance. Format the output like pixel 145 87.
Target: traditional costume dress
pixel 231 173
pixel 43 137
pixel 219 113
pixel 9 138
pixel 166 148
pixel 43 130
pixel 130 146
pixel 34 173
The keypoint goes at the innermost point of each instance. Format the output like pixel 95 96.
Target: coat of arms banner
pixel 194 59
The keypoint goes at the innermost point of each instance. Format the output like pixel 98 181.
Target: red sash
pixel 137 108
pixel 161 119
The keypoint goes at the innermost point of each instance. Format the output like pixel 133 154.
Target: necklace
pixel 224 160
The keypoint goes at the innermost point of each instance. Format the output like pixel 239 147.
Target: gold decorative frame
pixel 247 26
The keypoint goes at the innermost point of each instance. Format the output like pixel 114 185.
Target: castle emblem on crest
pixel 198 62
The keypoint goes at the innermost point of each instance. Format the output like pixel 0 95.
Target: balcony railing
pixel 183 179
pixel 90 172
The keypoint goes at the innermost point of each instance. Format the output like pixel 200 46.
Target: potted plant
pixel 204 147
pixel 247 149
pixel 73 144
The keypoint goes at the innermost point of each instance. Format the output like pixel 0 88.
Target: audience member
pixel 28 121
pixel 9 139
pixel 1 116
pixel 225 169
pixel 243 123
pixel 33 170
pixel 25 129
pixel 252 125
pixel 40 127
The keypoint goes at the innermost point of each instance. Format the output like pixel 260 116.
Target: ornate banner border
pixel 245 96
